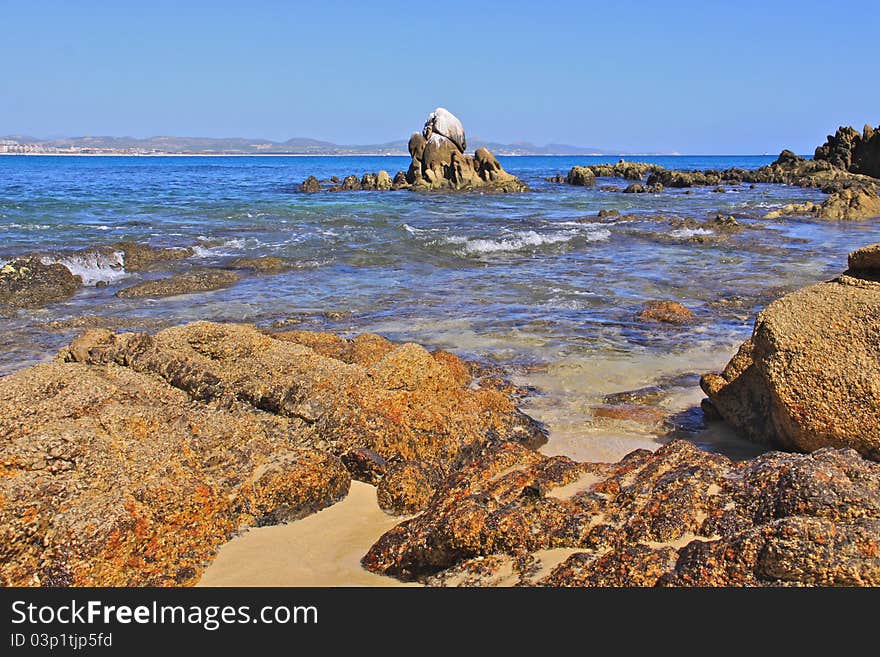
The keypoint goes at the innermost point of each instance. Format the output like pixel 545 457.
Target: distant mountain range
pixel 240 146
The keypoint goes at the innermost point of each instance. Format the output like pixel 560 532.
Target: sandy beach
pixel 324 549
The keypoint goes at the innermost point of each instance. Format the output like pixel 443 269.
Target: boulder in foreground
pixel 809 377
pixel 675 517
pixel 130 459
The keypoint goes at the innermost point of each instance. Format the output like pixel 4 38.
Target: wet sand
pixel 323 549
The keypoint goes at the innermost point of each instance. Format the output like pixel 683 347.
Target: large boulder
pixel 444 125
pixel 675 517
pixel 132 457
pixel 809 377
pixel 28 282
pixel 439 160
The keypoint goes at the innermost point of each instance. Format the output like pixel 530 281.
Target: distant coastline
pixel 295 147
pixel 334 154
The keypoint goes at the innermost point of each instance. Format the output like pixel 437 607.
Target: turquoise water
pixel 535 282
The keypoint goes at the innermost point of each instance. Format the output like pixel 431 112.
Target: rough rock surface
pixel 581 176
pixel 196 280
pixel 27 282
pixel 854 152
pixel 129 459
pixel 262 264
pixel 439 160
pixel 407 486
pixel 112 477
pixel 143 257
pixel 809 376
pixel 677 516
pixel 667 312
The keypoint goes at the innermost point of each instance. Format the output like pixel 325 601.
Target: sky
pixel 696 77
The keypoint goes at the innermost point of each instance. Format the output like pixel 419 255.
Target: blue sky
pixel 693 77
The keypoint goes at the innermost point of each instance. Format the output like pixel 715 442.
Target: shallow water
pixel 534 282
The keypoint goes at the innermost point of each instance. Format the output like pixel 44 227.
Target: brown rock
pixel 351 183
pixel 143 257
pixel 865 259
pixel 27 282
pixel 677 516
pixel 581 176
pixel 647 415
pixel 667 312
pixel 263 264
pixel 854 152
pixel 196 280
pixel 112 477
pixel 133 457
pixel 807 378
pixel 851 204
pixel 310 184
pixel 408 486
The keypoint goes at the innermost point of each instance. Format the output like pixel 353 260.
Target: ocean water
pixel 535 283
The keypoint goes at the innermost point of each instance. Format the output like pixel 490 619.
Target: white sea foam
pixel 684 233
pixel 225 248
pixel 93 265
pixel 522 241
pixel 15 226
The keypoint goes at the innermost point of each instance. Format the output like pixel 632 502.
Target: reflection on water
pixel 535 282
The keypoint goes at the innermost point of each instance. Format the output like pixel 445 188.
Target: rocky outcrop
pixel 196 280
pixel 585 176
pixel 143 257
pixel 807 378
pixel 310 184
pixel 854 152
pixel 439 162
pixel 112 477
pixel 675 517
pixel 638 188
pixel 132 457
pixel 581 177
pixel 852 204
pixel 28 282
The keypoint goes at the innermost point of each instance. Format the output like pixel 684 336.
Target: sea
pixel 536 284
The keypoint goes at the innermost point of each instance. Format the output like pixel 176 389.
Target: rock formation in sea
pixel 439 162
pixel 675 517
pixel 854 152
pixel 28 282
pixel 132 457
pixel 809 377
pixel 846 167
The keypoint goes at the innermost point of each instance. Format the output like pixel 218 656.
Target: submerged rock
pixel 143 257
pixel 667 312
pixel 262 264
pixel 27 282
pixel 196 280
pixel 808 376
pixel 677 517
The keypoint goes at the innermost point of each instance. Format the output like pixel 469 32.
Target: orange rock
pixel 668 312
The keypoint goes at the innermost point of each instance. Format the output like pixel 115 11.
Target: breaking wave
pixel 93 266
